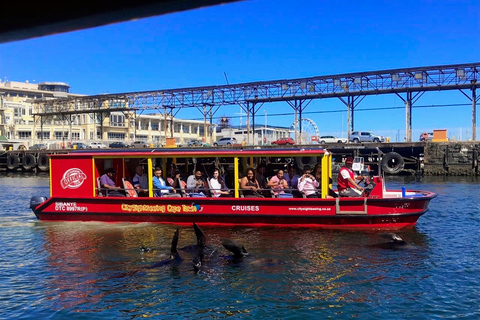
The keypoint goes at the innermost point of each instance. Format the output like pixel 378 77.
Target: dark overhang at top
pixel 22 19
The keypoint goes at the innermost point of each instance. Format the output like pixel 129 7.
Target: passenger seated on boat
pixel 159 184
pixel 249 185
pixel 291 177
pixel 260 176
pixel 278 183
pixel 106 181
pixel 217 185
pixel 262 180
pixel 140 182
pixel 346 181
pixel 196 184
pixel 317 172
pixel 176 182
pixel 308 184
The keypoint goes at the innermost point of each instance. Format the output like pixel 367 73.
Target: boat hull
pixel 344 213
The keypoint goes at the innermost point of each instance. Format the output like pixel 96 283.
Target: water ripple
pixel 76 270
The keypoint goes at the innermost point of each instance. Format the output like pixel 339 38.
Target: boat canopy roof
pixel 161 152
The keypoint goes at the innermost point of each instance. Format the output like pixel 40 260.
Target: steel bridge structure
pixel 409 84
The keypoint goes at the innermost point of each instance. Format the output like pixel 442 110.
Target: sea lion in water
pixel 174 256
pixel 201 252
pixel 239 253
pixel 395 242
pixel 234 247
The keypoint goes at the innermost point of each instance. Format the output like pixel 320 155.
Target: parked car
pixel 39 146
pixel 140 144
pixel 117 144
pixel 283 141
pixel 426 136
pixel 364 136
pixel 225 142
pixel 195 143
pixel 79 145
pixel 96 145
pixel 331 139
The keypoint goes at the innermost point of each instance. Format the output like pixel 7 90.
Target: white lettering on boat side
pixel 69 206
pixel 245 208
pixel 73 178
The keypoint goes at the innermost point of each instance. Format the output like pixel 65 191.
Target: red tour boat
pixel 76 193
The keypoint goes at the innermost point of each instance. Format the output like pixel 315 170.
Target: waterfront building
pixel 264 135
pixel 77 124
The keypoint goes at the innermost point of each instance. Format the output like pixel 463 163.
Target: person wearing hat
pixel 106 181
pixel 346 181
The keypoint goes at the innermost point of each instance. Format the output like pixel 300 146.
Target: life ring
pixel 42 162
pixel 392 163
pixel 12 161
pixel 305 161
pixel 424 136
pixel 28 161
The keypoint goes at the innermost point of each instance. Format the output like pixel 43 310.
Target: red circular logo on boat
pixel 73 178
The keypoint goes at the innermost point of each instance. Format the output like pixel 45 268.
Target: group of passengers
pixel 252 184
pixel 282 184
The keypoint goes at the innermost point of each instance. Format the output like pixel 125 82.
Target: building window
pixel 155 126
pixel 142 137
pixel 43 135
pixel 75 135
pixel 117 120
pixel 116 136
pixel 24 135
pixel 59 136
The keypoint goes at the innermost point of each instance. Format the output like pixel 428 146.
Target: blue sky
pixel 266 40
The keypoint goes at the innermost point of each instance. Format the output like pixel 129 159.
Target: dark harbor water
pixel 52 270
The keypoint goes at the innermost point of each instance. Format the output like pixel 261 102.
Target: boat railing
pixel 130 191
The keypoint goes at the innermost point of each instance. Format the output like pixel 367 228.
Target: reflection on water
pixel 97 270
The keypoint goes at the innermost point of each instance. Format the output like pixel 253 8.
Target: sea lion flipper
pixel 201 239
pixel 173 248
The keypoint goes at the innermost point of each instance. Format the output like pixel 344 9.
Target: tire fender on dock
pixel 12 161
pixel 392 163
pixel 42 162
pixel 306 161
pixel 29 162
